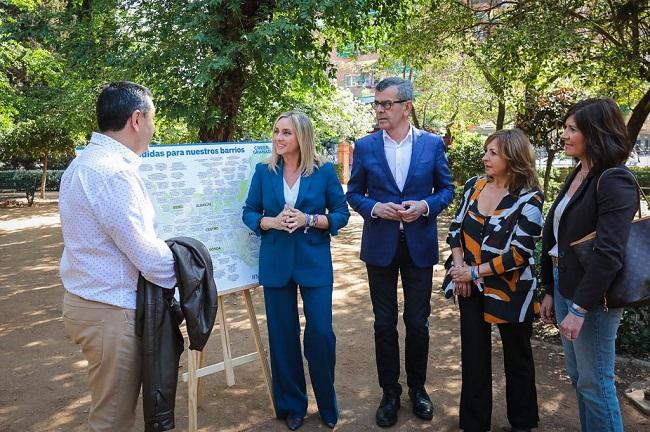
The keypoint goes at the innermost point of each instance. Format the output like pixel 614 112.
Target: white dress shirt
pixel 398 156
pixel 107 221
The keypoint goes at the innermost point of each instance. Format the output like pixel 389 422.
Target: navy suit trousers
pixel 416 285
pixel 289 391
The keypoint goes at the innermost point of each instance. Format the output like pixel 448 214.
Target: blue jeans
pixel 589 361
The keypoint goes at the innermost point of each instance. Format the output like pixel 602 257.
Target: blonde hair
pixel 306 142
pixel 519 154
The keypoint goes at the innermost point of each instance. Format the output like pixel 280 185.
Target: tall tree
pixel 616 35
pixel 37 118
pixel 209 61
pixel 515 52
pixel 40 140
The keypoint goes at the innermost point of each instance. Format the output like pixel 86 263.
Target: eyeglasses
pixel 387 105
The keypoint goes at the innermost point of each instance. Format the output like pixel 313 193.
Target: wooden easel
pixel 196 370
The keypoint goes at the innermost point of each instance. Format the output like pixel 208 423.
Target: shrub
pixel 634 331
pixel 29 181
pixel 643 176
pixel 465 157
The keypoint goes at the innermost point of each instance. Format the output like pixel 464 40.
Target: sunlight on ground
pixel 13 225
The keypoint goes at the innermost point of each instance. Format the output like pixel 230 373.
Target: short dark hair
pixel 404 87
pixel 601 122
pixel 116 103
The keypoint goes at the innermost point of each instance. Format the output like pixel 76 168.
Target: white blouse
pixel 291 193
pixel 557 215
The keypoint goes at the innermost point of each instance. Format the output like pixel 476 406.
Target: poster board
pixel 198 191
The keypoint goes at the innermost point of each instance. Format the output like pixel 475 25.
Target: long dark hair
pixel 601 122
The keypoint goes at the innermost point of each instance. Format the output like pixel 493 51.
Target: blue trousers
pixel 589 362
pixel 289 391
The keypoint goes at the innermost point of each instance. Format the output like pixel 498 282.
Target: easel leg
pixel 259 345
pixel 199 383
pixel 225 344
pixel 192 389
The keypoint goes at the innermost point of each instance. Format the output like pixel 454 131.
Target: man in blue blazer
pixel 400 182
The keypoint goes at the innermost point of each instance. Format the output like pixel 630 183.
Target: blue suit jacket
pixel 371 181
pixel 304 257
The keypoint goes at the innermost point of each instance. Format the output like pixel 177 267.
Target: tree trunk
pixel 43 176
pixel 501 114
pixel 224 100
pixel 414 117
pixel 550 155
pixel 638 117
pixel 226 88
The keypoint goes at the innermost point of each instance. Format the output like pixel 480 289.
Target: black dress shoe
pixel 294 423
pixel 330 425
pixel 387 412
pixel 422 406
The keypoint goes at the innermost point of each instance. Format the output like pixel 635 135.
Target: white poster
pixel 198 191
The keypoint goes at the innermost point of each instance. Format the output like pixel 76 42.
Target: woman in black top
pixel 594 197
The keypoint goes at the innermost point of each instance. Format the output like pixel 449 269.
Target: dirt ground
pixel 44 373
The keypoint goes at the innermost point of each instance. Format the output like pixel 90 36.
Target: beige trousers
pixel 107 338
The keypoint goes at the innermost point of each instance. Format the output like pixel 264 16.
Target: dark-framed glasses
pixel 386 104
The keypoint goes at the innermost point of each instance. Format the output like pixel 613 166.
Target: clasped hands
pixel 407 211
pixel 462 278
pixel 289 219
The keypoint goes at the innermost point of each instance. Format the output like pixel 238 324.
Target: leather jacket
pixel 158 316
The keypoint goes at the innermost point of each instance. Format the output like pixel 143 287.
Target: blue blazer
pixel 305 258
pixel 371 181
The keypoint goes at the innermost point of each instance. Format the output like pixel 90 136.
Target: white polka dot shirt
pixel 107 221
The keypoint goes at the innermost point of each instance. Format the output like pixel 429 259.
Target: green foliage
pixel 21 179
pixel 634 331
pixel 211 80
pixel 465 157
pixel 541 118
pixel 40 140
pixel 554 184
pixel 229 80
pixel 29 181
pixel 465 161
pixel 452 90
pixel 342 117
pixel 642 174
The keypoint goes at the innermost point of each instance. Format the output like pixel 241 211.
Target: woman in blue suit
pixel 295 203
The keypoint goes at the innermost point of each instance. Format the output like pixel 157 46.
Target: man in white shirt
pixel 399 183
pixel 107 221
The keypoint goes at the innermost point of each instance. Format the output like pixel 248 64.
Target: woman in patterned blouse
pixel 492 240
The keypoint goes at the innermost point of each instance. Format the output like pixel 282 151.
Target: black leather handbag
pixel 631 287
